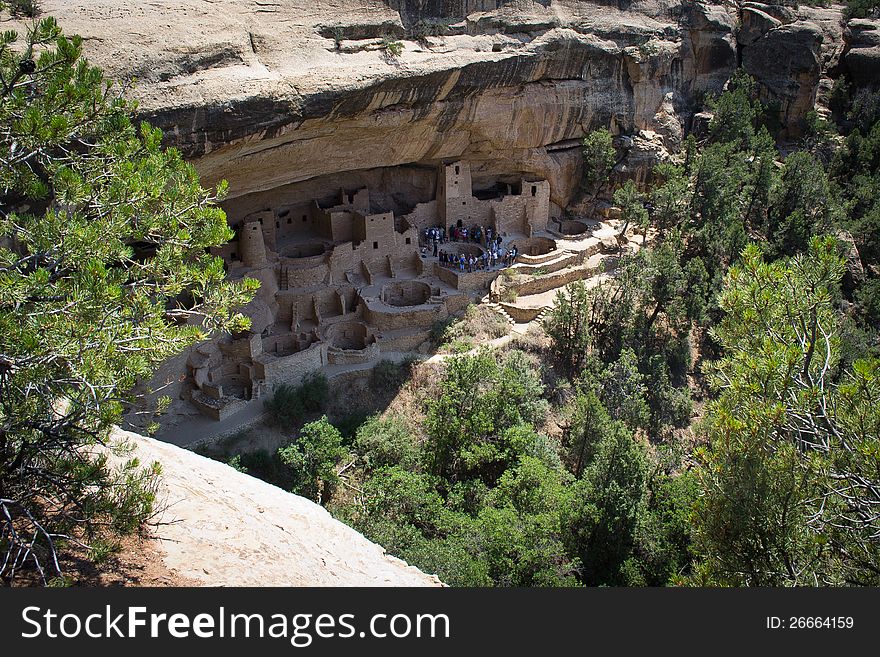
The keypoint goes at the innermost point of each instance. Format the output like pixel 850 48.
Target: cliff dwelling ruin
pixel 338 157
pixel 346 282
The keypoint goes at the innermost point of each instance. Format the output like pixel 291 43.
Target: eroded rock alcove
pixel 338 155
pixel 345 279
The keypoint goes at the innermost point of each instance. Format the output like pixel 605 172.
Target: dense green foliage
pixel 632 207
pixel 862 8
pixel 312 459
pixel 481 496
pixel 599 158
pixel 104 273
pixel 479 422
pixel 568 331
pixel 790 477
pixel 289 404
pixel 746 299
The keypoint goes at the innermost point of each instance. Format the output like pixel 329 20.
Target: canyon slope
pixel 292 102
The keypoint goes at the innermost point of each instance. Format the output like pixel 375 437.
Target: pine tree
pixel 104 273
pixel 790 482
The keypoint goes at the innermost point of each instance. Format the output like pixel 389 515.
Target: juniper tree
pixel 790 487
pixel 632 208
pixel 313 457
pixel 567 324
pixel 599 158
pixel 104 273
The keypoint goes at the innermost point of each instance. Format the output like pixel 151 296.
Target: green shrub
pixel 392 48
pixel 235 464
pixel 313 458
pixel 460 346
pixel 289 404
pixel 338 36
pixel 479 324
pixel 440 330
pixel 862 8
pixel 388 375
pixel 384 442
pixel 315 391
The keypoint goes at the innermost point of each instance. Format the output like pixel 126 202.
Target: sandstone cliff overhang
pixel 268 94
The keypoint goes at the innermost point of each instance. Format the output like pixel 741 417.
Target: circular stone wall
pixel 348 335
pixel 535 246
pixel 573 227
pixel 406 293
pixel 307 250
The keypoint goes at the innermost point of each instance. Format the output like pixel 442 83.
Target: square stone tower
pixel 454 193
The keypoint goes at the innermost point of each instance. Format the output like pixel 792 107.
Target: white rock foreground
pixel 221 527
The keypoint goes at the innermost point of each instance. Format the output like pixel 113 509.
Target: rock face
pixel 224 528
pixel 863 51
pixel 785 62
pixel 268 94
pixel 787 50
pixel 756 22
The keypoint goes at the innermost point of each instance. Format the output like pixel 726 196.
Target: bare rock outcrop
pixel 273 94
pixel 220 527
pixel 756 21
pixel 785 61
pixel 263 95
pixel 863 51
pixel 711 41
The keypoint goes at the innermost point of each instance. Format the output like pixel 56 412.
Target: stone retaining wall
pixel 542 284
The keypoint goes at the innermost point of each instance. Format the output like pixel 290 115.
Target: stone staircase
pixel 541 314
pixel 498 308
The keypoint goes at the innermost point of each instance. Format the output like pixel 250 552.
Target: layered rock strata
pixel 269 94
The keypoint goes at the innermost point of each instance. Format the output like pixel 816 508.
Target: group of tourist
pixel 459 233
pixel 495 255
pixel 437 234
pixel 474 234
